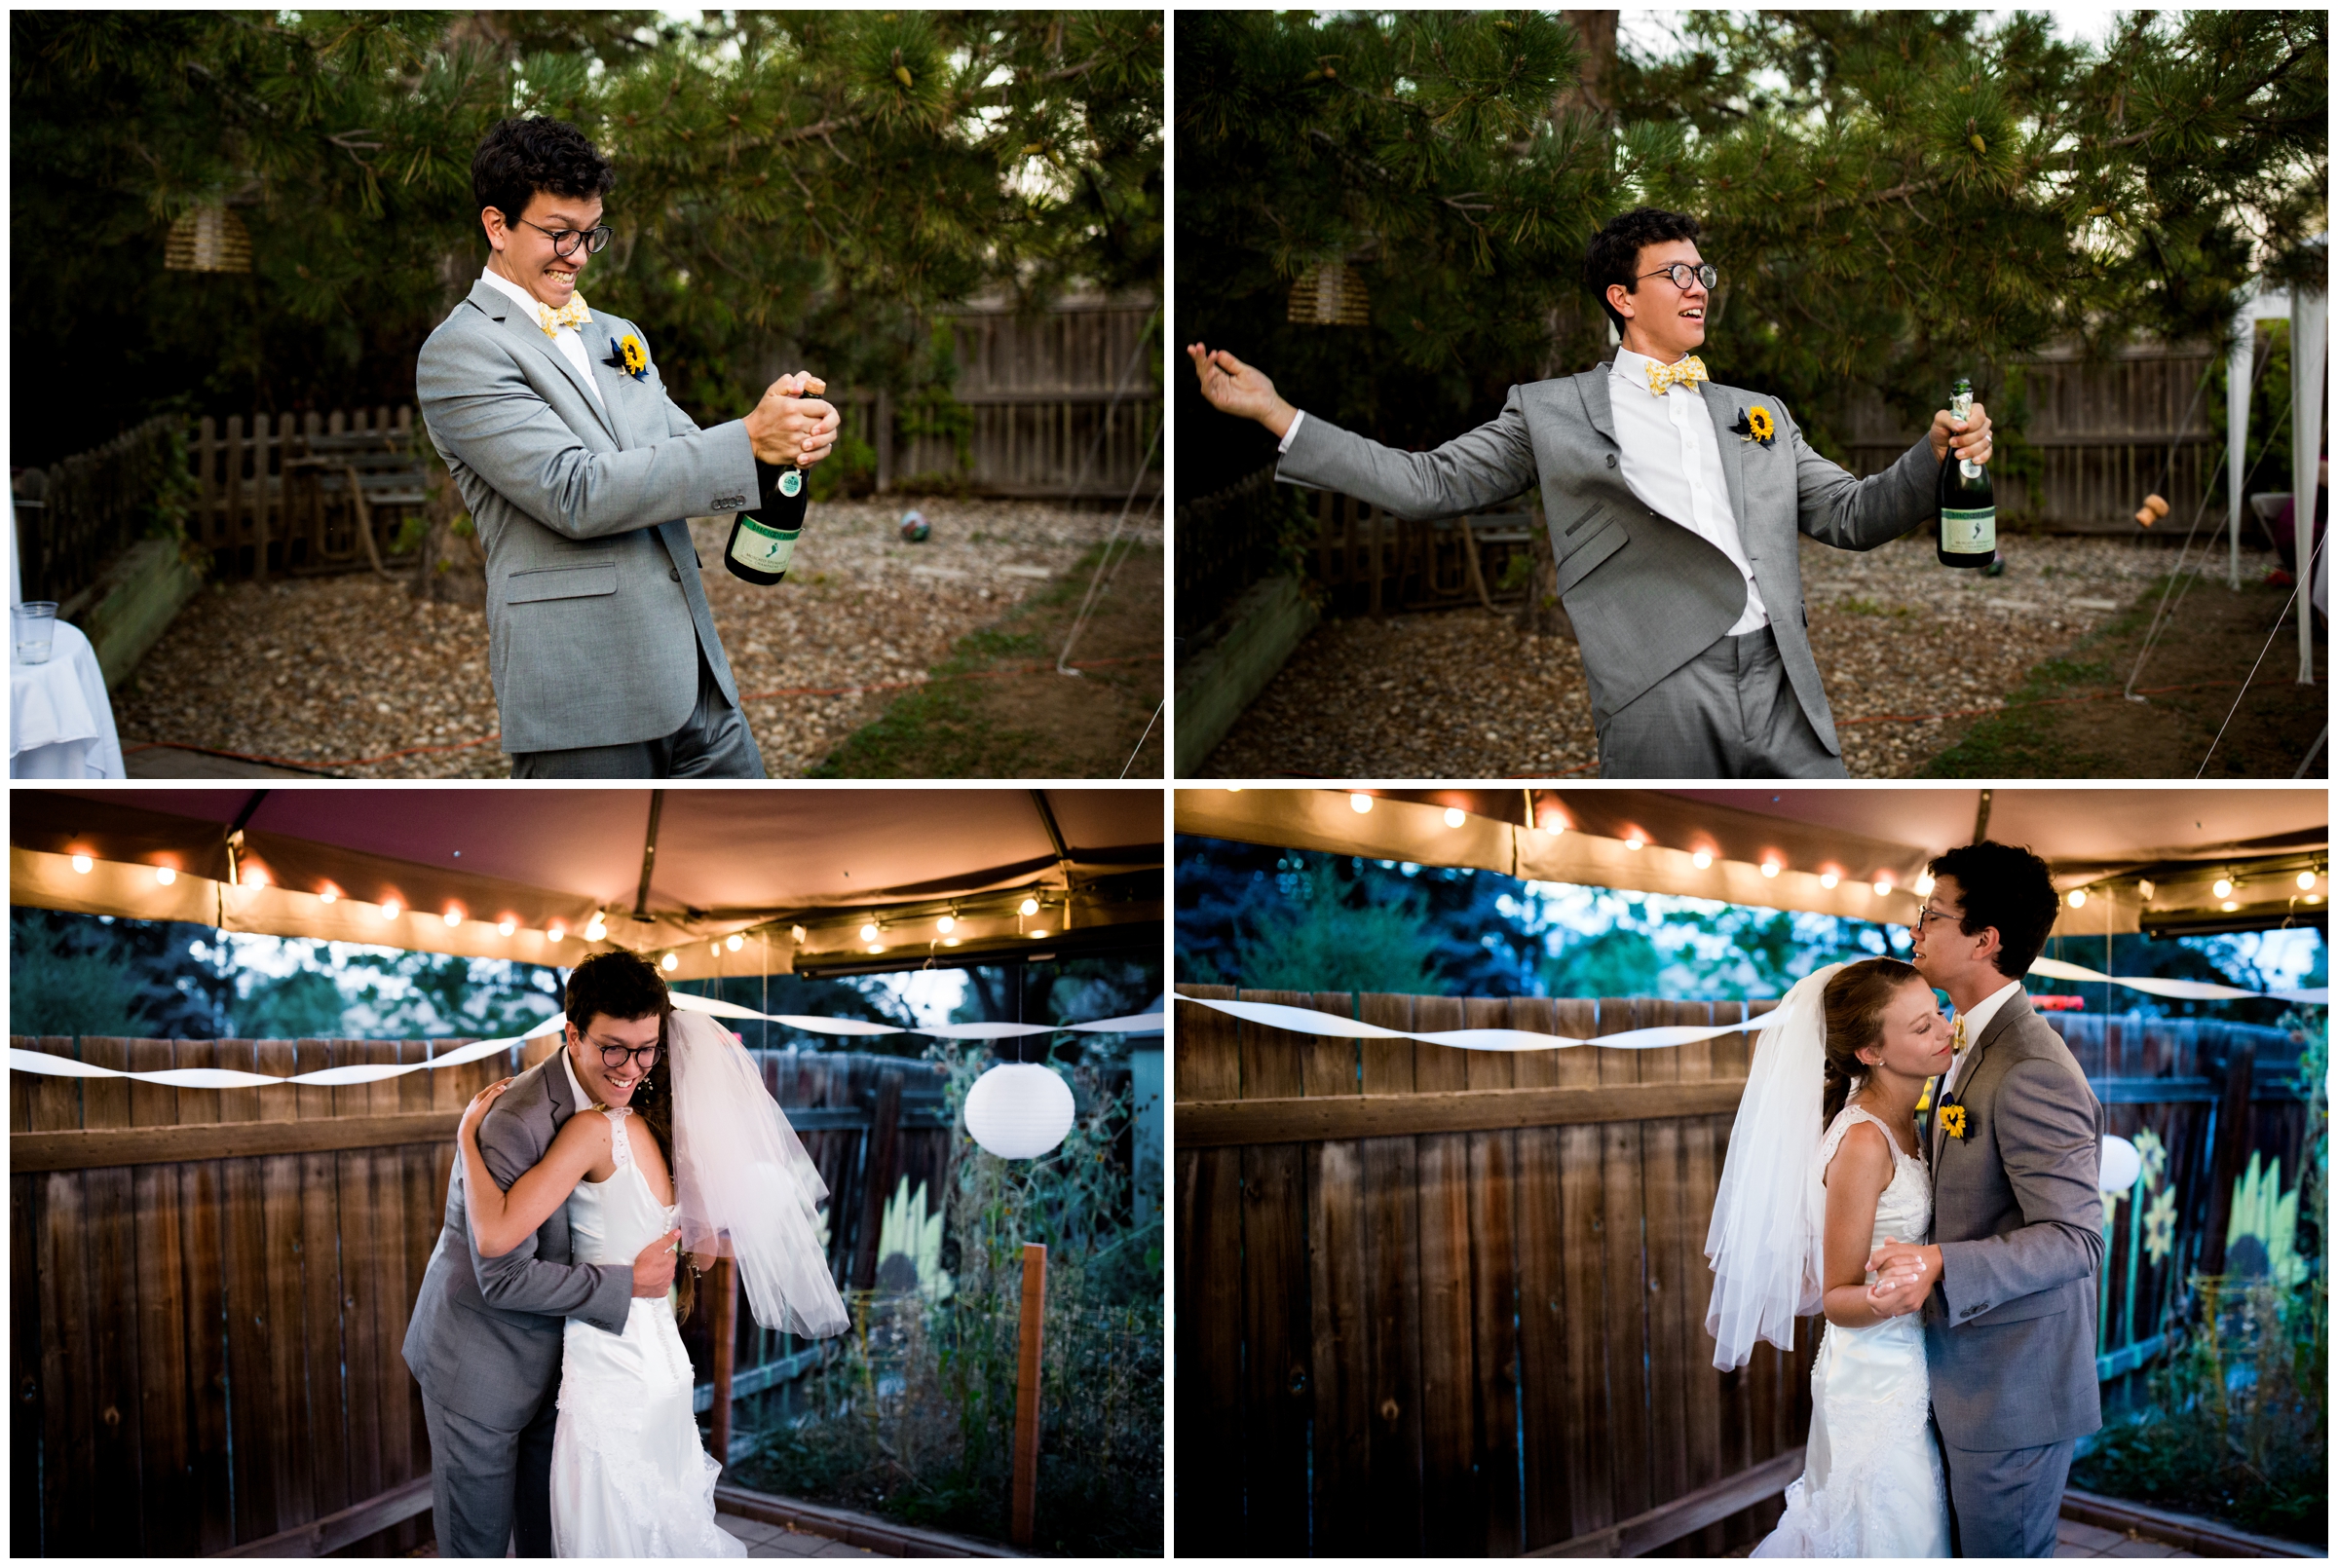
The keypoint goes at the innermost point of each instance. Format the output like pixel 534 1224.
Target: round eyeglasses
pixel 617 1056
pixel 564 240
pixel 1679 272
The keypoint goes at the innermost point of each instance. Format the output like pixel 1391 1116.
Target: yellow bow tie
pixel 573 313
pixel 1957 1041
pixel 1688 373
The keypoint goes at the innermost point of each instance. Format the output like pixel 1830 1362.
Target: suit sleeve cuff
pixel 1299 417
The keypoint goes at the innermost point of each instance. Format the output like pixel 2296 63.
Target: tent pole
pixel 2235 432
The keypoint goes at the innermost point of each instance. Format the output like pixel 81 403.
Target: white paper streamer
pixel 57 1067
pixel 1307 1021
pixel 2189 990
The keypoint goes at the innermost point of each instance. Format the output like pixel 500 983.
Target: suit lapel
pixel 502 308
pixel 609 380
pixel 1592 384
pixel 2014 1006
pixel 556 1087
pixel 1722 404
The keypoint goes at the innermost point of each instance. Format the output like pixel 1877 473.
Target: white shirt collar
pixel 526 299
pixel 1985 1009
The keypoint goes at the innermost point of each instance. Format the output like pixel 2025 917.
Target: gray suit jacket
pixel 2009 1331
pixel 595 613
pixel 1645 594
pixel 486 1332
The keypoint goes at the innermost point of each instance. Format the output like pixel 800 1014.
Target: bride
pixel 629 1477
pixel 1823 1166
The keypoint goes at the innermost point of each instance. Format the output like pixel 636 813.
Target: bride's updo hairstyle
pixel 1856 1001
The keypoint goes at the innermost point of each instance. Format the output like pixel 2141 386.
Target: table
pixel 60 725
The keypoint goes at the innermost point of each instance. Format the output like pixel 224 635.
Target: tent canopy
pixel 796 874
pixel 2111 845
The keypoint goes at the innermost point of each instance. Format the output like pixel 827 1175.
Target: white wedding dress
pixel 630 1478
pixel 1871 1484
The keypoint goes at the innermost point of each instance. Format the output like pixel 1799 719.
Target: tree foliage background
pixel 793 188
pixel 1892 197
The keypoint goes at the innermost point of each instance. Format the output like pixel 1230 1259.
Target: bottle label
pixel 1968 533
pixel 791 482
pixel 763 548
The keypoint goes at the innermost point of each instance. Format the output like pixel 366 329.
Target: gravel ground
pixel 1459 694
pixel 348 675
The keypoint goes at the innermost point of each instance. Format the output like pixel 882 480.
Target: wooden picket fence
pixel 211 1287
pixel 1442 1302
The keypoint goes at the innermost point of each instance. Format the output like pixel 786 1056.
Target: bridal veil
pixel 1769 1216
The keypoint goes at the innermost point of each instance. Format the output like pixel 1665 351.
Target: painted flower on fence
pixel 2154 1157
pixel 2261 1242
pixel 2159 1228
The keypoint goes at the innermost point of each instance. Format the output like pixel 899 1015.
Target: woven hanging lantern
pixel 208 240
pixel 1328 294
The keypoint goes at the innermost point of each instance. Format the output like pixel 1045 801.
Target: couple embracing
pixel 1954 1258
pixel 555 1382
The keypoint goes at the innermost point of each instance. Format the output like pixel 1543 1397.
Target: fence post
pixel 2232 1139
pixel 726 1353
pixel 884 1146
pixel 1027 1391
pixel 883 440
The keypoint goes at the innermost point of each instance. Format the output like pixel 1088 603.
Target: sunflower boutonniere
pixel 627 353
pixel 1952 1121
pixel 1755 425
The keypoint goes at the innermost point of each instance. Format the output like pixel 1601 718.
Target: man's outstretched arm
pixel 1468 473
pixel 1859 514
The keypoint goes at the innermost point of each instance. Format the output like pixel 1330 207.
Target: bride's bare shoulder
pixel 1864 1156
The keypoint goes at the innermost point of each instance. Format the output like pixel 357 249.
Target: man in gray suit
pixel 1672 513
pixel 581 476
pixel 2007 1282
pixel 485 1338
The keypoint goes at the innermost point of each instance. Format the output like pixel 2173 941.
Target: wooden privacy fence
pixel 77 515
pixel 211 1288
pixel 1444 1302
pixel 278 499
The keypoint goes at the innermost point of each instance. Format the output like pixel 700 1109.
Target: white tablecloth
pixel 60 725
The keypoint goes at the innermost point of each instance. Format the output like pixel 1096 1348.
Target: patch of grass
pixel 2025 740
pixel 1875 607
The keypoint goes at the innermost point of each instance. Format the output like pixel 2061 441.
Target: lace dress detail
pixel 1872 1484
pixel 630 1478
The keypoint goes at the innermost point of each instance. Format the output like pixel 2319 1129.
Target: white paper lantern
pixel 1019 1110
pixel 2121 1165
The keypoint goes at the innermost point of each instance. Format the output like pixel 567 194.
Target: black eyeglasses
pixel 564 240
pixel 1679 272
pixel 617 1056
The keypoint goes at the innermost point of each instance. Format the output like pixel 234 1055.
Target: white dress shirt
pixel 1671 460
pixel 1975 1021
pixel 566 340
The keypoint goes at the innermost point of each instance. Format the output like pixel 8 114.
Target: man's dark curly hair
pixel 517 158
pixel 1613 255
pixel 2008 887
pixel 617 984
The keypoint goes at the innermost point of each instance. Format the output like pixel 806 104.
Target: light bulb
pixel 1702 860
pixel 81 863
pixel 795 933
pixel 876 946
pixel 1770 867
pixel 949 942
pixel 2147 888
pixel 734 942
pixel 1233 789
pixel 1635 841
pixel 1030 906
pixel 555 932
pixel 454 917
pixel 715 948
pixel 507 926
pixel 598 929
pixel 2228 906
pixel 327 896
pixel 1036 935
pixel 253 876
pixel 1923 885
pixel 1552 827
pixel 2222 887
pixel 1360 803
pixel 2305 879
pixel 868 933
pixel 946 924
pixel 1883 887
pixel 1454 816
pixel 1829 879
pixel 390 910
pixel 2078 898
pixel 166 875
pixel 671 962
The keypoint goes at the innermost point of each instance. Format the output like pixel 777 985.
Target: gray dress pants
pixel 714 742
pixel 2006 1503
pixel 1729 713
pixel 491 1490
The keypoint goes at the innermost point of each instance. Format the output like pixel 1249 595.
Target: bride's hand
pixel 476 1111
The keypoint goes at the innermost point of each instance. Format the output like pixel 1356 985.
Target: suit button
pixel 1611 460
pixel 674 573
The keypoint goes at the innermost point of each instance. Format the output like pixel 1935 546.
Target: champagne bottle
pixel 764 542
pixel 1966 532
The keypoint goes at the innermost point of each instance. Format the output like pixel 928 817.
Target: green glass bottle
pixel 1966 531
pixel 764 542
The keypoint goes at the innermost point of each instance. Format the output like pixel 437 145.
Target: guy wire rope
pixel 2304 576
